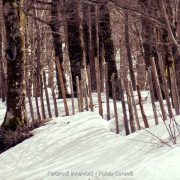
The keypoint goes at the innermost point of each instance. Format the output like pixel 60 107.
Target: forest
pixel 107 68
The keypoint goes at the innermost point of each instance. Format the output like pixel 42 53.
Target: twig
pixel 162 141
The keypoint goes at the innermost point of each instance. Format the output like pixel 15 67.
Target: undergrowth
pixel 10 139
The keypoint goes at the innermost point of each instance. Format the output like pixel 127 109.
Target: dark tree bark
pixel 150 38
pixel 14 24
pixel 94 47
pixel 75 40
pixel 86 30
pixel 129 55
pixel 178 22
pixel 147 32
pixel 2 75
pixel 89 34
pixel 171 27
pixel 57 41
pixel 107 41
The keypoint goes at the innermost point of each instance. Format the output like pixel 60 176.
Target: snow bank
pixel 82 147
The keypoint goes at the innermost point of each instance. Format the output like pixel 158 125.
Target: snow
pixel 85 147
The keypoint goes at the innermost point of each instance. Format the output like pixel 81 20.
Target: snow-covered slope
pixel 82 147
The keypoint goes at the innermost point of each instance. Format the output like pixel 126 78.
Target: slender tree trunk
pixel 94 52
pixel 105 34
pixel 57 42
pixel 129 55
pixel 75 40
pixel 86 20
pixel 2 75
pixel 89 32
pixel 150 38
pixel 172 37
pixel 147 33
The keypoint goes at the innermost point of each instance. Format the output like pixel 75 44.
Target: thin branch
pixel 35 17
pixel 172 38
pixel 137 12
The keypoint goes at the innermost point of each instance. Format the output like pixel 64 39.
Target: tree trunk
pixel 75 41
pixel 57 42
pixel 94 47
pixel 2 75
pixel 14 23
pixel 171 27
pixel 147 31
pixel 150 38
pixel 89 32
pixel 129 55
pixel 105 34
